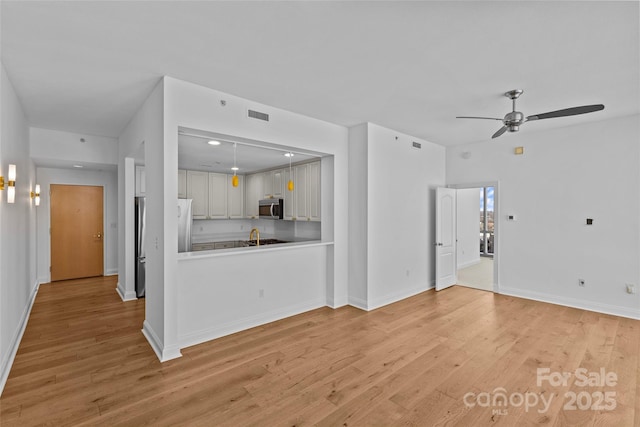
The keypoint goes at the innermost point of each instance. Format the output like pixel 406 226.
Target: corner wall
pixel 392 213
pixel 564 177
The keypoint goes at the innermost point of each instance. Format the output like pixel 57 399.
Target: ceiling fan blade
pixel 468 117
pixel 567 112
pixel 502 130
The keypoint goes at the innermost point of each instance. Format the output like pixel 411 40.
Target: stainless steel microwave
pixel 271 208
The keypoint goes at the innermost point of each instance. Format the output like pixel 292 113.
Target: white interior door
pixel 445 238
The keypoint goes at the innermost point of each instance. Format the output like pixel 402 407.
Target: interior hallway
pixel 84 361
pixel 478 276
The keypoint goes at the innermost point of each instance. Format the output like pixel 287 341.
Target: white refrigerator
pixel 184 225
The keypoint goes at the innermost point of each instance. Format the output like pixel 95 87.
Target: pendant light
pixel 290 183
pixel 234 179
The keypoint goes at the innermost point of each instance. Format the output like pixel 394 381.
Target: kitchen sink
pixel 265 242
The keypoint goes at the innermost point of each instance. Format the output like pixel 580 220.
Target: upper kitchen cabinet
pixel 214 196
pixel 140 181
pixel 198 190
pixel 217 196
pixel 303 203
pixel 273 184
pixel 254 191
pixel 315 193
pixel 301 192
pixel 182 184
pixel 235 198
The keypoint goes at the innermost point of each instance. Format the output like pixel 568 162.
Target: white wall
pixel 106 179
pixel 468 226
pixel 358 215
pixel 197 107
pixel 18 284
pixel 401 212
pixel 392 211
pixel 146 129
pixel 565 176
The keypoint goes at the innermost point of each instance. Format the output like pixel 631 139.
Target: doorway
pixel 476 237
pixel 77 235
pixel 468 214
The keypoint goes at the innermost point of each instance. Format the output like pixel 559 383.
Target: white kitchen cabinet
pixel 182 184
pixel 314 191
pixel 198 190
pixel 217 195
pixel 235 198
pixel 267 180
pixel 273 184
pixel 301 192
pixel 288 196
pixel 253 193
pixel 278 185
pixel 140 181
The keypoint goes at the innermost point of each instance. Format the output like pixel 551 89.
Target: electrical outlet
pixel 261 293
pixel 408 273
pixel 631 288
pixel 581 282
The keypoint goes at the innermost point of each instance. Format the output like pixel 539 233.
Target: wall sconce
pixel 11 190
pixel 36 195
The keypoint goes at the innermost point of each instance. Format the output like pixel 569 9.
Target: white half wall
pixel 564 177
pixel 219 295
pixel 18 284
pixel 106 179
pixel 468 226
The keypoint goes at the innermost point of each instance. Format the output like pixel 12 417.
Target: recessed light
pixel 78 166
pixel 213 142
pixel 288 154
pixel 235 168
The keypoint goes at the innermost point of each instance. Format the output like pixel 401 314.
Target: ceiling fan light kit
pixel 514 119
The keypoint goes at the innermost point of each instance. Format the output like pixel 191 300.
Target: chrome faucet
pixel 257 235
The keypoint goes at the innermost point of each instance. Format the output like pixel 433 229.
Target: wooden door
pixel 77 243
pixel 445 238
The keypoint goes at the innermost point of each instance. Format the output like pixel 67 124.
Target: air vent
pixel 258 115
pixel 417 145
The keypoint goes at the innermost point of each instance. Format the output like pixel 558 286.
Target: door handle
pixel 142 259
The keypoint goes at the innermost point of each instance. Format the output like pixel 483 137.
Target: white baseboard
pixel 338 302
pixel 358 303
pixel 163 353
pixel 469 264
pixel 7 362
pixel 125 295
pixel 208 334
pixel 572 302
pixel 111 272
pixel 397 296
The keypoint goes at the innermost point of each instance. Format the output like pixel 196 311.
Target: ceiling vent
pixel 417 145
pixel 258 115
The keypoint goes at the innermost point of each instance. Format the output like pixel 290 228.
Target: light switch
pixel 511 217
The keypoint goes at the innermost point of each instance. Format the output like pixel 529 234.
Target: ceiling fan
pixel 513 120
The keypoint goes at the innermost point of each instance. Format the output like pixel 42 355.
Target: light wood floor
pixel 84 361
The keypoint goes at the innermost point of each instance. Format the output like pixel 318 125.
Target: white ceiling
pixel 86 67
